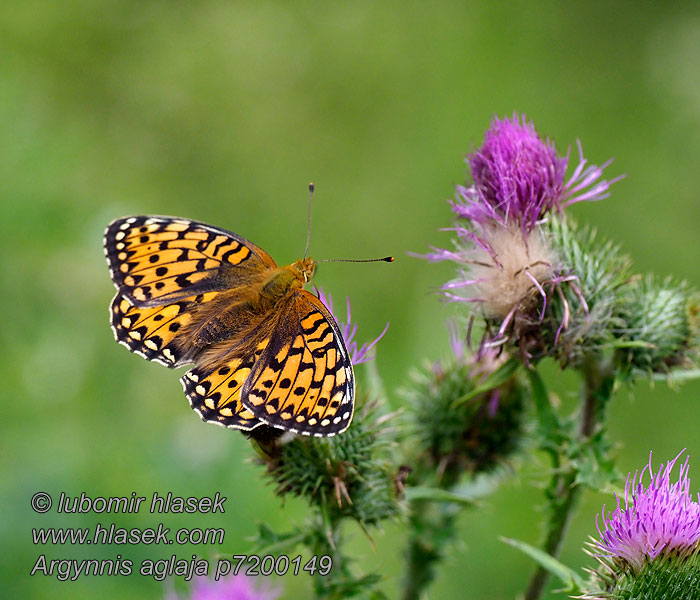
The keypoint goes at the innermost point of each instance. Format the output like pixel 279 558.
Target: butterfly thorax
pixel 286 279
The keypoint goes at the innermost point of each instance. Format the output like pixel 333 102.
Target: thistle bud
pixel 660 326
pixel 458 426
pixel 349 475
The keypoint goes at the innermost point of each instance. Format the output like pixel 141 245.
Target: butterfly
pixel 264 349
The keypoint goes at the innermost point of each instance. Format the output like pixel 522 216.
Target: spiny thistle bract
pixel 663 579
pixel 349 475
pixel 584 316
pixel 661 323
pixel 454 432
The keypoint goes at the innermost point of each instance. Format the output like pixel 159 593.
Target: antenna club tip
pixel 389 259
pixel 311 186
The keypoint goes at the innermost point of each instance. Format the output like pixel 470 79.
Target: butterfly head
pixel 304 269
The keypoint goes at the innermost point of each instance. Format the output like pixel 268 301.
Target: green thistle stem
pixel 326 541
pixel 432 527
pixel 563 492
pixel 567 496
pixel 599 378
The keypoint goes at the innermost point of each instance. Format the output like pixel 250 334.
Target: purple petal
pixel 237 587
pixel 583 178
pixel 358 354
pixel 659 518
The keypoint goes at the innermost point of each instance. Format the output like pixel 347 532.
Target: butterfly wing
pixel 160 260
pixel 299 378
pixel 216 395
pixel 303 381
pixel 153 332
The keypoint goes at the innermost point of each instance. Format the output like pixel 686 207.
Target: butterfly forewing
pixel 303 382
pixel 157 260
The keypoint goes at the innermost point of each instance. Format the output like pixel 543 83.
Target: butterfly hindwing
pixel 303 381
pixel 216 394
pixel 153 332
pixel 299 379
pixel 158 260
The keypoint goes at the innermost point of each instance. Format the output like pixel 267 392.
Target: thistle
pixel 649 546
pixel 459 426
pixel 347 476
pixel 657 519
pixel 660 327
pixel 467 416
pixel 508 265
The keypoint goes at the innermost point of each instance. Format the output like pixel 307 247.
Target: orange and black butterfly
pixel 265 350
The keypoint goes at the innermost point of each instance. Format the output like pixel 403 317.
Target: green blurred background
pixel 223 112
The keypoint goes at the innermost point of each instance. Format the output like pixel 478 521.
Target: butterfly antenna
pixel 308 219
pixel 385 259
pixel 308 239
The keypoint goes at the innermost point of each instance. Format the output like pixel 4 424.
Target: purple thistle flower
pixel 659 519
pixel 238 587
pixel 520 178
pixel 506 262
pixel 358 354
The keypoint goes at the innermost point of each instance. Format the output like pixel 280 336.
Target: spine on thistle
pixel 458 426
pixel 660 327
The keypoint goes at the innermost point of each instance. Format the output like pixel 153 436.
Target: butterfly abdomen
pixel 229 323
